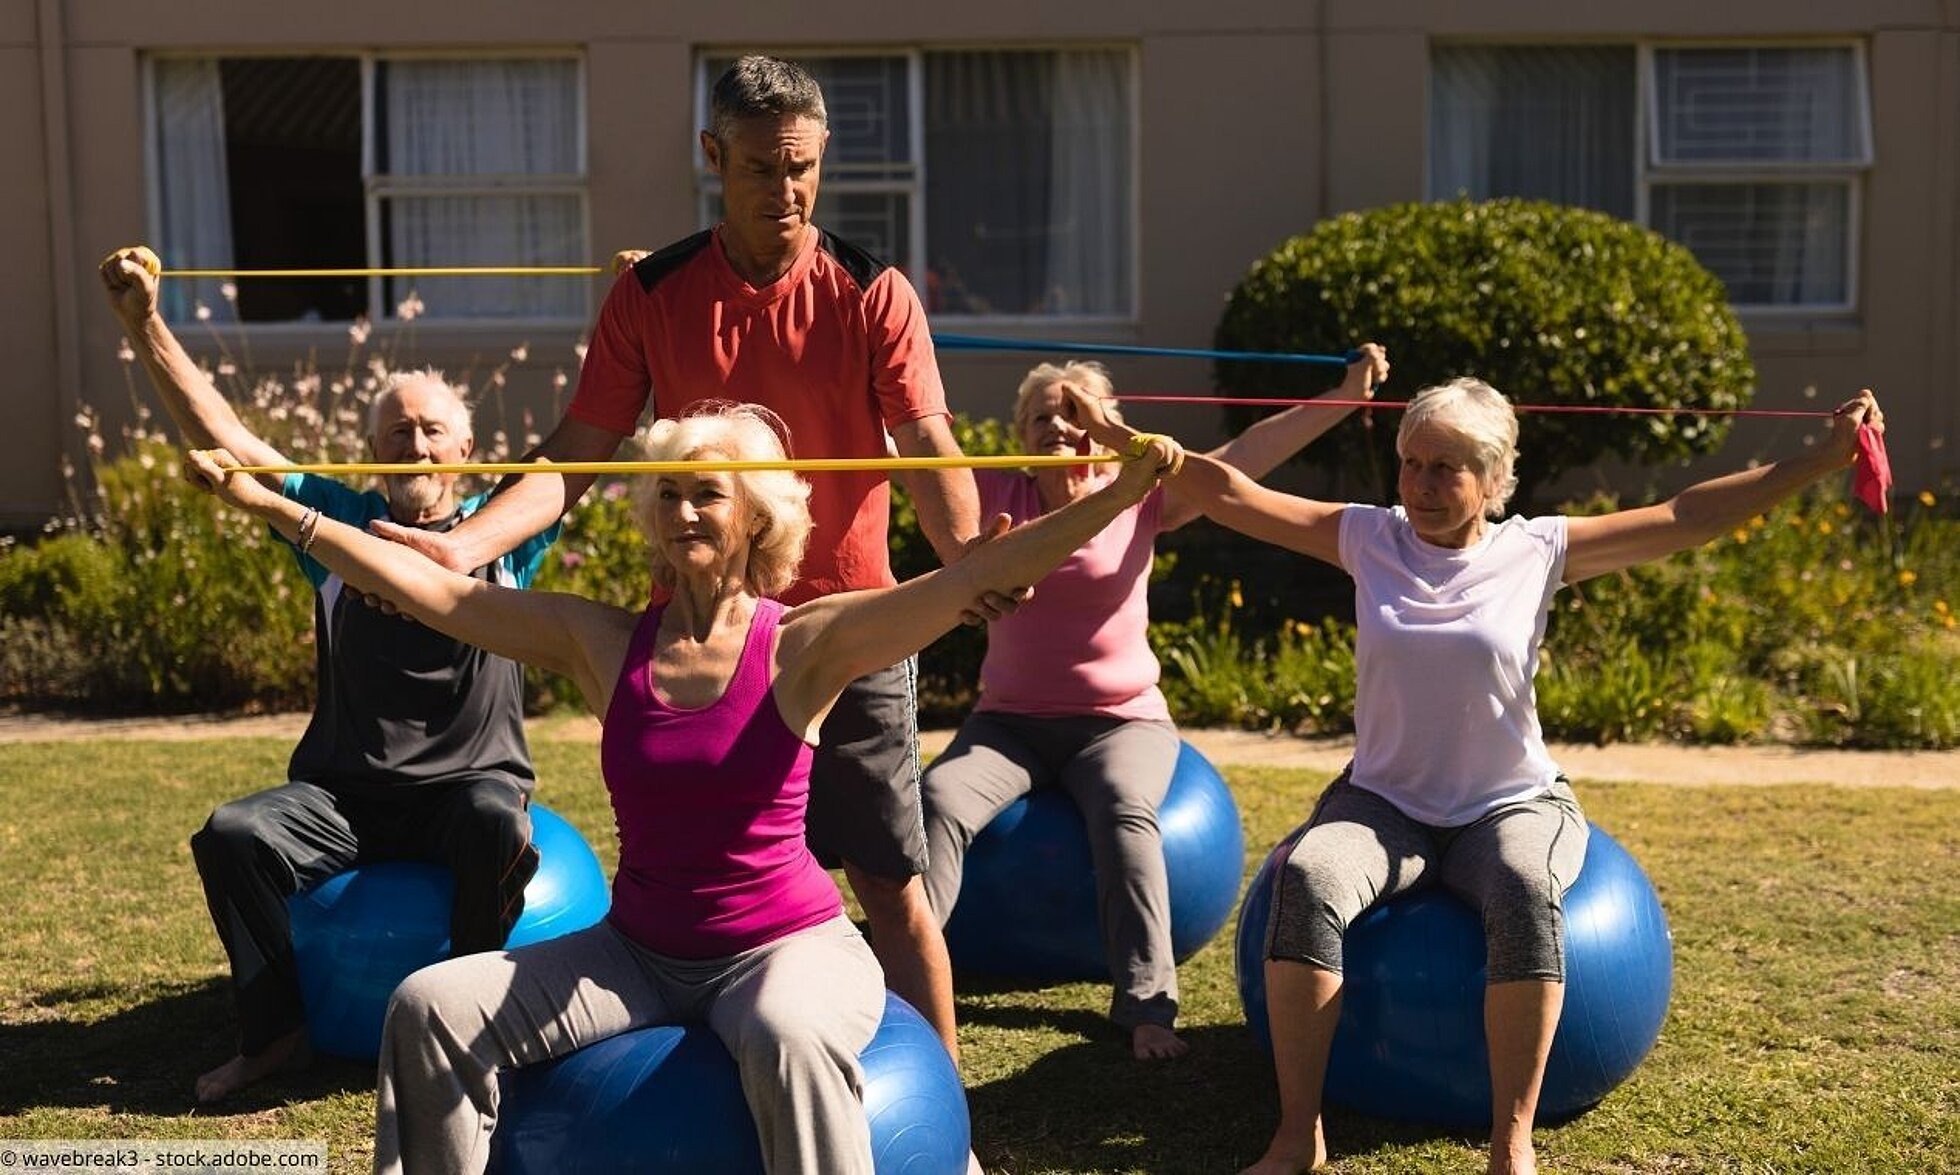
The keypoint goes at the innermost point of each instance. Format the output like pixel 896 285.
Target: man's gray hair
pixel 393 383
pixel 764 87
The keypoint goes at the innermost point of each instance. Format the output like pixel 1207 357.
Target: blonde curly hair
pixel 778 499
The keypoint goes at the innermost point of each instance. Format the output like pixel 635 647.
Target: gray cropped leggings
pixel 795 1013
pixel 1117 771
pixel 1513 865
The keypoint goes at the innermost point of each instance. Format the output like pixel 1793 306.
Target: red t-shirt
pixel 838 347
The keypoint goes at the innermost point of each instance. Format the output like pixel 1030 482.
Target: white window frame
pixel 708 185
pixel 1652 171
pixel 378 187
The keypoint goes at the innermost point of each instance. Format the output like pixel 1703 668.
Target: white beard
pixel 413 494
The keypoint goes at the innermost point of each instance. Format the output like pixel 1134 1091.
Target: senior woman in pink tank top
pixel 711 702
pixel 1068 691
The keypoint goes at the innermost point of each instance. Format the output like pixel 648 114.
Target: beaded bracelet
pixel 309 526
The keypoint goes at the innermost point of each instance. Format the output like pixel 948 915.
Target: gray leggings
pixel 795 1013
pixel 1117 771
pixel 1513 865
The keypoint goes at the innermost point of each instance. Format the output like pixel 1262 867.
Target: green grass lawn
pixel 1815 1023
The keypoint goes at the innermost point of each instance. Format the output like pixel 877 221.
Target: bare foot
pixel 287 1053
pixel 1290 1157
pixel 1514 1158
pixel 1154 1042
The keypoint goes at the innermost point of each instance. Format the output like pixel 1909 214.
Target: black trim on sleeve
pixel 654 266
pixel 863 267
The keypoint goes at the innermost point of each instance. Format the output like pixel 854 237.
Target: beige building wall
pixel 1255 119
pixel 32 392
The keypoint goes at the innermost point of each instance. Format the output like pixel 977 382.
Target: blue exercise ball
pixel 1410 1042
pixel 358 934
pixel 668 1101
pixel 1027 904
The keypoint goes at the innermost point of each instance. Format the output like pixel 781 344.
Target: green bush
pixel 1551 305
pixel 1299 679
pixel 151 596
pixel 159 600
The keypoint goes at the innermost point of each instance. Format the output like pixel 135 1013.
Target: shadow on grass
pixel 1091 1106
pixel 145 1058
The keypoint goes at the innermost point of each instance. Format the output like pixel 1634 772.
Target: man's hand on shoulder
pixel 437 546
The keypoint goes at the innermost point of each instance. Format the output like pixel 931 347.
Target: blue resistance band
pixel 979 343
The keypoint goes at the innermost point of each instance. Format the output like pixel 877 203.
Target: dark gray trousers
pixel 254 853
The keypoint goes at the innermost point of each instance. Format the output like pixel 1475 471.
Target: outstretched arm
pixel 563 633
pixel 1609 542
pixel 1260 449
pixel 829 642
pixel 1226 495
pixel 204 418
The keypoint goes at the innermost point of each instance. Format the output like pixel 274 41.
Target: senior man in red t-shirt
pixel 769 309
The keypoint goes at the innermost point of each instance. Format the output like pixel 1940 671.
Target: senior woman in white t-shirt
pixel 1451 782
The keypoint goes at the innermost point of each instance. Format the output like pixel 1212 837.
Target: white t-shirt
pixel 1446 719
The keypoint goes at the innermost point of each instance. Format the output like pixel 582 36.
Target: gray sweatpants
pixel 1512 865
pixel 1117 771
pixel 795 1013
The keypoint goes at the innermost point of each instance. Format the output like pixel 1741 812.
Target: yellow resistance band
pixel 803 465
pixel 401 271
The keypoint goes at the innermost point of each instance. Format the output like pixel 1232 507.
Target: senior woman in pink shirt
pixel 1068 690
pixel 712 701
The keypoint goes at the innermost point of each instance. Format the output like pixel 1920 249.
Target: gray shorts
pixel 864 782
pixel 1512 865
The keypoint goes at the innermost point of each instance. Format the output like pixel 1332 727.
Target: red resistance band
pixel 1871 480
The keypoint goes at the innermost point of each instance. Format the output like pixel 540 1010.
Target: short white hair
pixel 1478 413
pixel 1092 377
pixel 393 383
pixel 779 499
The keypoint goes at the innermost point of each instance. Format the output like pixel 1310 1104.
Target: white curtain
pixel 489 119
pixel 1787 106
pixel 1089 192
pixel 195 193
pixel 1541 123
pixel 1772 244
pixel 1028 182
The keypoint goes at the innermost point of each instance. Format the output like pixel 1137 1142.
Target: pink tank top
pixel 709 804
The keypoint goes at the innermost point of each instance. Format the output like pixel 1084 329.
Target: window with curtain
pixel 345 162
pixel 1751 156
pixel 1551 124
pixel 1002 180
pixel 1754 160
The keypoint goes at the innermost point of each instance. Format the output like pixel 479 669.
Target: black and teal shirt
pixel 400 704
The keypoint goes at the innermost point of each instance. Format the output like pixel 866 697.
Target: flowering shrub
pixel 1814 623
pixel 150 595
